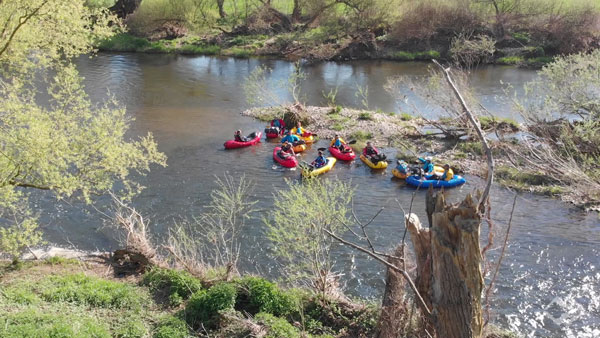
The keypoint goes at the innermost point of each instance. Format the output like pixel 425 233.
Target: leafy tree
pixel 295 228
pixel 53 138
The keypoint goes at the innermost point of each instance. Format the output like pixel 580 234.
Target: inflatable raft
pixel 290 162
pixel 233 144
pixel 342 156
pixel 306 137
pixel 316 172
pixel 397 173
pixel 379 165
pixel 299 148
pixel 431 181
pixel 270 133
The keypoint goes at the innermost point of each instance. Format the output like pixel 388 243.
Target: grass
pixel 406 117
pixel 408 56
pixel 365 116
pixel 489 122
pixel 200 49
pixel 510 60
pixel 124 43
pixel 527 181
pixel 361 135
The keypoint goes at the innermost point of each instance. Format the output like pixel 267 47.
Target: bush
pixel 278 327
pixel 81 289
pixel 204 306
pixel 179 285
pixel 361 135
pixel 264 296
pixel 406 117
pixel 170 327
pixel 365 116
pixel 32 323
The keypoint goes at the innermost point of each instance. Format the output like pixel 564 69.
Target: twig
pixel 493 280
pixel 386 263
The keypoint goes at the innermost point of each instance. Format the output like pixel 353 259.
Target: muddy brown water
pixel 549 282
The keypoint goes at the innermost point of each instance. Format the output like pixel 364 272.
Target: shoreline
pixel 405 133
pixel 247 46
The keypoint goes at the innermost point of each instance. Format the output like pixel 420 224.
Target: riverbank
pixel 415 136
pixel 89 297
pixel 294 46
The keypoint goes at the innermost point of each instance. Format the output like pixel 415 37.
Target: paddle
pixel 321 149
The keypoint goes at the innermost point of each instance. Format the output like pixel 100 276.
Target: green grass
pixel 38 323
pixel 471 147
pixel 510 60
pixel 124 43
pixel 199 49
pixel 177 285
pixel 365 116
pixel 239 52
pixel 488 122
pixel 526 180
pixel 406 117
pixel 361 135
pixel 408 56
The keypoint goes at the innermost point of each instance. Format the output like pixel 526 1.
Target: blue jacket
pixel 427 167
pixel 290 138
pixel 320 161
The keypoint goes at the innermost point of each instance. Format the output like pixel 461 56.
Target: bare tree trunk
pixel 296 11
pixel 449 267
pixel 393 306
pixel 222 13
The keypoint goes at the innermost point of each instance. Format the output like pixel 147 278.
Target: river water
pixel 549 282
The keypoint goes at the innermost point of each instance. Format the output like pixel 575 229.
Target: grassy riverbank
pixel 412 136
pixel 60 297
pixel 526 33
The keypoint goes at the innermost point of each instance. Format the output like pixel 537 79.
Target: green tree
pixel 53 138
pixel 295 228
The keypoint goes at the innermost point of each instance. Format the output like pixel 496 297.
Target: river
pixel 549 283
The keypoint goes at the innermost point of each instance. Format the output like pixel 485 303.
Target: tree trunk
pixel 122 8
pixel 296 11
pixel 393 305
pixel 222 13
pixel 449 267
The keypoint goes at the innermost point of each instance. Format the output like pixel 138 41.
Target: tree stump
pixel 449 267
pixel 393 306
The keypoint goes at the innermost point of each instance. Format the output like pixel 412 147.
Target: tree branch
pixel 22 21
pixel 386 263
pixel 475 123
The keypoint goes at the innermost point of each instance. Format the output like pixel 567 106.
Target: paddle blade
pixel 321 149
pixel 352 142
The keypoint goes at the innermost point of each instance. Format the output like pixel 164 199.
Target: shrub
pixel 522 37
pixel 179 285
pixel 204 306
pixel 278 327
pixel 365 116
pixel 81 289
pixel 471 147
pixel 406 117
pixel 57 260
pixel 31 323
pixel 170 327
pixel 471 51
pixel 264 296
pixel 360 135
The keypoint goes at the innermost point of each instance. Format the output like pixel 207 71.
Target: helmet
pixel 429 158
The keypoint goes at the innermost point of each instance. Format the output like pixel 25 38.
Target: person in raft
pixel 291 138
pixel 448 173
pixel 427 165
pixel 319 161
pixel 238 136
pixel 402 167
pixel 301 131
pixel 373 154
pixel 276 126
pixel 339 143
pixel 286 150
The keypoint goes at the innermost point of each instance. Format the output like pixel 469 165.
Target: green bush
pixel 124 43
pixel 204 306
pixel 34 324
pixel 406 117
pixel 522 37
pixel 361 135
pixel 427 55
pixel 278 327
pixel 365 116
pixel 264 296
pixel 180 285
pixel 82 289
pixel 170 327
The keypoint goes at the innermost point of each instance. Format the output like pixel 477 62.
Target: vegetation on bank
pixel 526 32
pixel 68 298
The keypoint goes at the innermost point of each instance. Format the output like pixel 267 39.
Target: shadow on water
pixel 549 284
